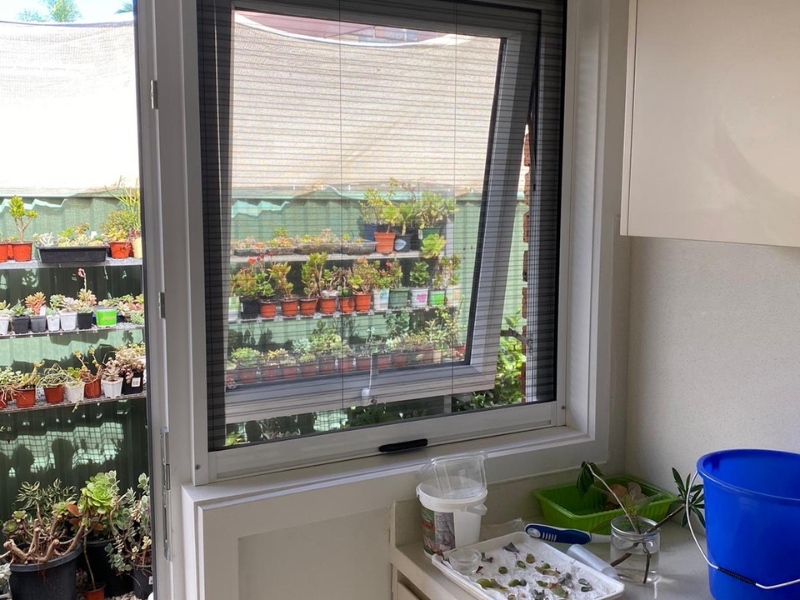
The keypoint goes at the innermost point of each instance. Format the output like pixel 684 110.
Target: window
pixel 364 199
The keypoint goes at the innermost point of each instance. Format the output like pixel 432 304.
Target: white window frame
pixel 591 192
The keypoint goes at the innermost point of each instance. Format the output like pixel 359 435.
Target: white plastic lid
pixel 453 477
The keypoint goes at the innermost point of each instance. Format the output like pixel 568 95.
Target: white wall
pixel 714 352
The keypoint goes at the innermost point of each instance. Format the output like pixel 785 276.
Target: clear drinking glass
pixel 637 552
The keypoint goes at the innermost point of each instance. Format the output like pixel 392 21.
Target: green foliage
pixel 325 339
pixel 695 495
pixel 247 357
pixel 432 246
pixel 419 276
pixel 22 216
pixel 375 204
pixel 126 8
pixel 132 536
pixel 279 276
pixel 59 11
pixel 312 273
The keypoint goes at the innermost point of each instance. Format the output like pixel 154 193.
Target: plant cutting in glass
pixel 632 501
pixel 22 217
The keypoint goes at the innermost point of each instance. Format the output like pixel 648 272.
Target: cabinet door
pixel 712 125
pixel 403 593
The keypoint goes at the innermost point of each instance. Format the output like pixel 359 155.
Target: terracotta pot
pixel 399 359
pixel 98 594
pixel 308 369
pixel 268 309
pixel 327 306
pixel 25 398
pixel 248 374
pixel 288 371
pixel 92 389
pixel 289 307
pixel 384 242
pixel 21 252
pixel 120 249
pixel 363 302
pixel 3 402
pixel 54 395
pixel 327 366
pixel 347 304
pixel 363 363
pixel 308 306
pixel 4 252
pixel 270 372
pixel 384 360
pixel 346 364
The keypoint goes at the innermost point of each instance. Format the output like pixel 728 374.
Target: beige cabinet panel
pixel 403 593
pixel 713 121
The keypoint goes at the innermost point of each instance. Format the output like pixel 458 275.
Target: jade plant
pixel 312 272
pixel 419 276
pixel 374 205
pixel 22 217
pixel 279 277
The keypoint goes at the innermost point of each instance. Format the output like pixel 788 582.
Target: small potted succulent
pixel 398 294
pixel 402 216
pixel 363 279
pixel 68 312
pixel 7 377
pixel 21 386
pixel 41 544
pixel 311 275
pixel 86 303
pixel 280 243
pixel 279 276
pixel 52 312
pixel 131 362
pixel 21 320
pixel 306 359
pixel 52 381
pixel 372 209
pixel 75 244
pixel 74 386
pixel 128 217
pixel 347 299
pixel 106 312
pixel 112 378
pixel 36 303
pixel 432 212
pixel 271 366
pixel 448 267
pixel 326 344
pixel 245 285
pixel 119 244
pixel 5 317
pixel 247 360
pixel 20 249
pixel 268 308
pixel 419 278
pixel 331 283
pixel 131 549
pixel 287 363
pixel 91 379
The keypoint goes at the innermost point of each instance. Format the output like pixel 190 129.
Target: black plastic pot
pixel 75 254
pixel 21 324
pixel 142 581
pixel 402 243
pixel 135 386
pixel 54 580
pixel 116 584
pixel 250 308
pixel 38 324
pixel 85 320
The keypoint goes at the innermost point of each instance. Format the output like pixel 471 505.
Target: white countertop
pixel 683 574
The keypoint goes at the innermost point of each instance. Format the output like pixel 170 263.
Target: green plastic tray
pixel 562 506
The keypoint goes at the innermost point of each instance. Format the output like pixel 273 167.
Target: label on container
pixel 438 531
pixel 136 382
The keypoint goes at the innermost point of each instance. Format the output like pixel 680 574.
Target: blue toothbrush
pixel 563 536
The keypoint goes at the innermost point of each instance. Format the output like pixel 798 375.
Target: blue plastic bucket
pixel 752 502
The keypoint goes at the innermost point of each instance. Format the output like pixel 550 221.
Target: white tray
pixel 604 588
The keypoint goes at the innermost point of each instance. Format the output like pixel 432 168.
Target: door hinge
pixel 165 491
pixel 153 94
pixel 162 305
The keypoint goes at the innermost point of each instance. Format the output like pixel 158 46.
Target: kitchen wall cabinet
pixel 712 128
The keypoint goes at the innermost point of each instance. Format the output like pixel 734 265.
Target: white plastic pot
pixel 69 321
pixel 4 321
pixel 53 322
pixel 419 297
pixel 112 389
pixel 451 522
pixel 380 299
pixel 74 393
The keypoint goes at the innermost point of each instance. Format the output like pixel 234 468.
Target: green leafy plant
pixel 325 340
pixel 132 539
pixel 401 215
pixel 433 209
pixel 375 204
pixel 448 267
pixel 312 272
pixel 419 276
pixel 22 217
pixel 393 274
pixel 128 217
pixel 247 358
pixel 432 247
pixel 279 276
pixel 53 376
pixel 364 276
pixel 86 299
pixel 19 310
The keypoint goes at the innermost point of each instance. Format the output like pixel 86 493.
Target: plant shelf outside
pixel 72 254
pixel 562 506
pixel 94 330
pixel 37 264
pixel 237 260
pixel 42 405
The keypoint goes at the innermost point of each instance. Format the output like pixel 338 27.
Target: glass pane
pixel 357 165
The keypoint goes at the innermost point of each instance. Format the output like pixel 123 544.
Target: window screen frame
pixel 516 93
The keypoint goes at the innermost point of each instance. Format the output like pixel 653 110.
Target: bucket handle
pixel 741 578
